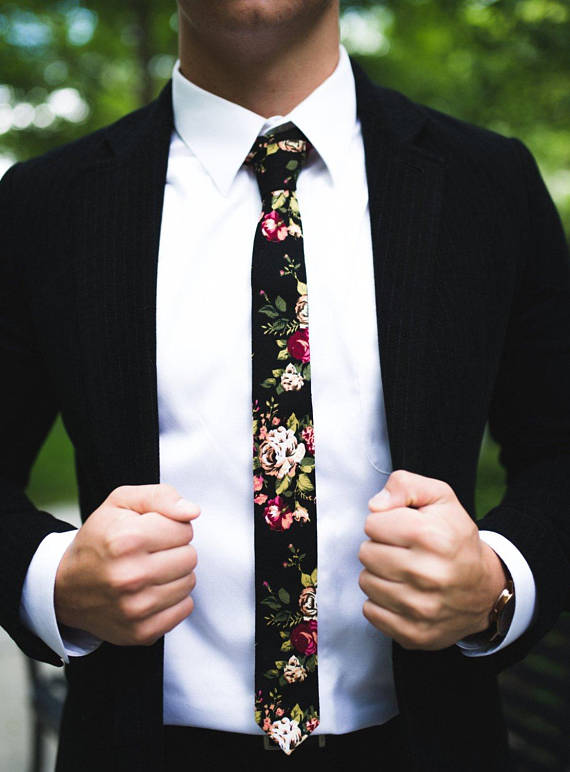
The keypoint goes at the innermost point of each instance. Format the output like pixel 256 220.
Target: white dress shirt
pixel 211 209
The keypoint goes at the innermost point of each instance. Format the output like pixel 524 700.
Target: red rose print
pixel 304 637
pixel 273 227
pixel 308 435
pixel 278 516
pixel 298 345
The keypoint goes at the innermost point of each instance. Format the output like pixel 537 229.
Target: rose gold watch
pixel 501 614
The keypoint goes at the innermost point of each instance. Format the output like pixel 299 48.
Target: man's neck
pixel 267 76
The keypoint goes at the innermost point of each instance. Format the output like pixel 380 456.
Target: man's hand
pixel 429 579
pixel 127 576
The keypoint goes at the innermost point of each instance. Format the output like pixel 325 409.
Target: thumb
pixel 406 489
pixel 160 497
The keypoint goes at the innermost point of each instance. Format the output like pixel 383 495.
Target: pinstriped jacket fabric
pixel 472 290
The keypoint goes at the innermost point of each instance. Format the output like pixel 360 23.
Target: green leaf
pixel 307 464
pixel 279 389
pixel 286 646
pixel 272 603
pixel 280 303
pixel 277 373
pixel 301 288
pixel 269 311
pixel 255 425
pixel 280 664
pixel 284 596
pixel 291 165
pixel 282 486
pixel 271 673
pixel 311 663
pixel 281 342
pixel 297 713
pixel 304 484
pixel 307 372
pixel 282 682
pixel 282 616
pixel 306 580
pixel 277 201
pixel 314 577
pixel 293 422
pixel 283 354
pixel 268 383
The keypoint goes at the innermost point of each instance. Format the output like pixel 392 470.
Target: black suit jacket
pixel 472 294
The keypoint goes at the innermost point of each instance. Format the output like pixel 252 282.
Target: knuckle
pixel 426 610
pixel 363 552
pixel 367 610
pixel 120 493
pixel 363 581
pixel 185 608
pixel 133 609
pixel 192 557
pixel 144 635
pixel 126 580
pixel 369 524
pixel 163 492
pixel 399 476
pixel 430 578
pixel 124 542
pixel 435 539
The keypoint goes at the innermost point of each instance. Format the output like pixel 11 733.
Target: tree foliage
pixel 70 66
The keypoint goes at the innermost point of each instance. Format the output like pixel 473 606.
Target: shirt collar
pixel 220 133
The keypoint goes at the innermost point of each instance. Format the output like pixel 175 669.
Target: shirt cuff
pixel 37 608
pixel 525 594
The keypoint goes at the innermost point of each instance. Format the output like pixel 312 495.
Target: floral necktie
pixel 286 685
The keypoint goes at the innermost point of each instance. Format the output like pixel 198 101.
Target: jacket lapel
pixel 405 195
pixel 118 208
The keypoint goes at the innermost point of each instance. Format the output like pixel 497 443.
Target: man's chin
pixel 255 16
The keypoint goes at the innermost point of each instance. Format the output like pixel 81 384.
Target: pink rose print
pixel 278 516
pixel 258 482
pixel 304 637
pixel 261 498
pixel 312 724
pixel 298 345
pixel 308 435
pixel 273 227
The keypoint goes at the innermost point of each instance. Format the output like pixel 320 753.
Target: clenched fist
pixel 127 576
pixel 429 579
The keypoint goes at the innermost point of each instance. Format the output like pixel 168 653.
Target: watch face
pixel 506 613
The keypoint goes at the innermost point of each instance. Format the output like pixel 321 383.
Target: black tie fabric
pixel 286 683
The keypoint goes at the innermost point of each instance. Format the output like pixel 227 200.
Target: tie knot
pixel 278 158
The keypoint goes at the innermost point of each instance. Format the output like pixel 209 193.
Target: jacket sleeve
pixel 530 410
pixel 28 407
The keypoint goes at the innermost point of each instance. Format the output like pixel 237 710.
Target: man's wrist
pixel 493 625
pixel 495 580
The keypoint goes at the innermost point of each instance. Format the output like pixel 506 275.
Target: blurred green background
pixel 69 67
